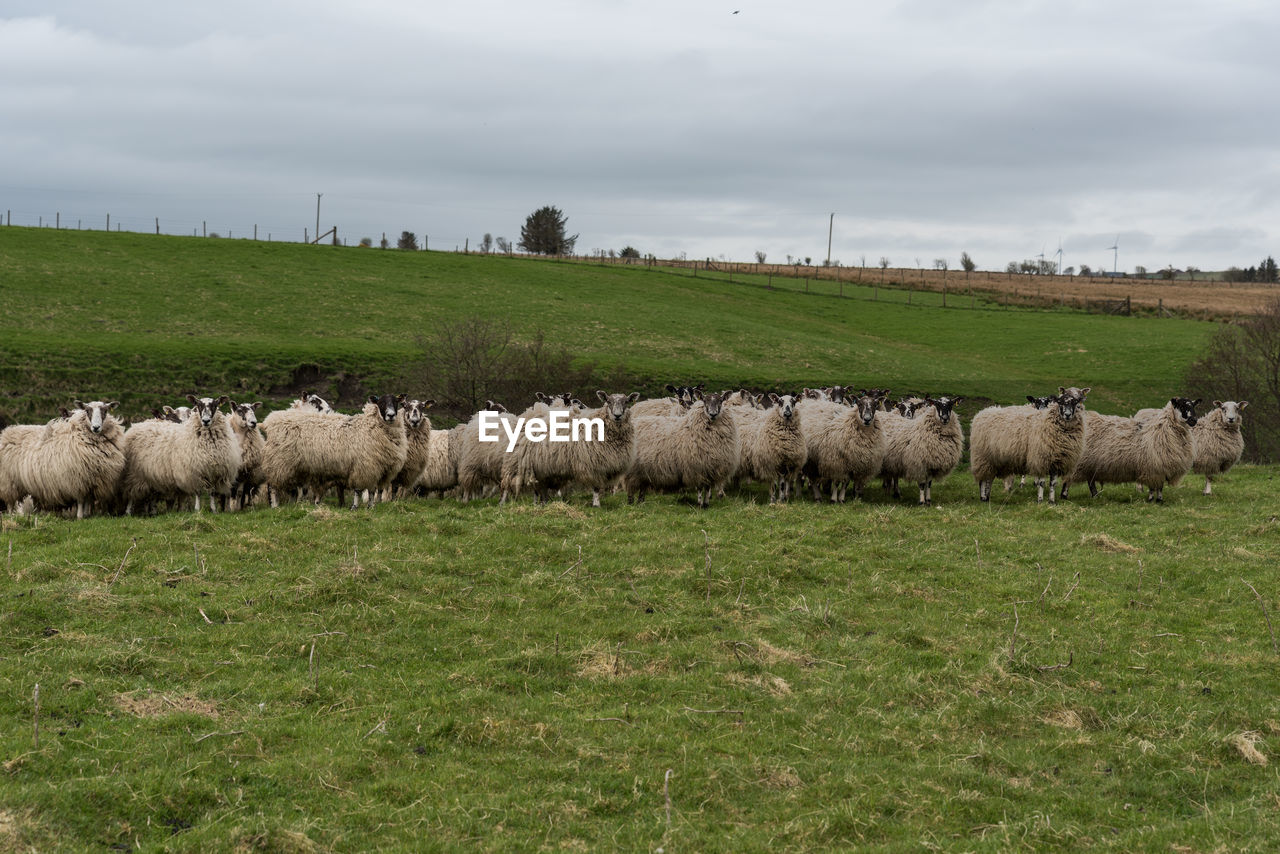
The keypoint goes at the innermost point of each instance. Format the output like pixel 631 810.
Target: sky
pixel 912 130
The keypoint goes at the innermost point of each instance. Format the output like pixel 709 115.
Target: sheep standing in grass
pixel 1153 451
pixel 934 443
pixel 480 463
pixel 845 445
pixel 698 450
pixel 198 456
pixel 76 460
pixel 592 461
pixel 361 452
pixel 1018 440
pixel 1038 403
pixel 244 423
pixel 417 431
pixel 1219 442
pixel 773 445
pixel 895 423
pixel 516 470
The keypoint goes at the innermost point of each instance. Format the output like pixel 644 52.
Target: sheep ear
pixel 428 403
pixel 671 388
pixel 222 400
pixel 191 398
pixel 600 393
pixel 773 396
pixel 1196 402
pixel 1217 403
pixel 1030 399
pixel 1062 389
pixel 540 397
pixel 956 401
pixel 255 404
pixel 633 397
pixel 373 398
pixel 1242 404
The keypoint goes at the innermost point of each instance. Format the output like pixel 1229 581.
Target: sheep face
pixel 416 410
pixel 247 412
pixel 1231 410
pixel 205 408
pixel 1040 402
pixel 867 406
pixel 1068 400
pixel 908 406
pixel 785 402
pixel 1186 409
pixel 96 412
pixel 943 405
pixel 317 402
pixel 714 403
pixel 388 405
pixel 616 404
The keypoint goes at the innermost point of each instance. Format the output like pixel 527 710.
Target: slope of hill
pixel 145 318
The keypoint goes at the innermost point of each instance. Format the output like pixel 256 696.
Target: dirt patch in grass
pixel 1107 543
pixel 152 705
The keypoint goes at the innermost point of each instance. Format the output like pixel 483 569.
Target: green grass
pixel 148 318
pixel 815 677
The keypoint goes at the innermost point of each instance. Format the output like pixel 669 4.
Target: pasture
pixel 1099 674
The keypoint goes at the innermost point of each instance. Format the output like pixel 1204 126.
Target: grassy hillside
pixel 468 677
pixel 146 318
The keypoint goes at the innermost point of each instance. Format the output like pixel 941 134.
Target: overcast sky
pixel 928 127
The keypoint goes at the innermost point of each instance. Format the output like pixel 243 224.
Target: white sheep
pixel 362 452
pixel 75 460
pixel 1154 451
pixel 894 424
pixel 934 444
pixel 184 460
pixel 516 464
pixel 1219 442
pixel 773 445
pixel 417 430
pixel 1037 403
pixel 587 460
pixel 845 445
pixel 698 450
pixel 480 463
pixel 244 423
pixel 1022 440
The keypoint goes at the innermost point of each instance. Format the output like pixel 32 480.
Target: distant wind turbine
pixel 1115 260
pixel 1059 254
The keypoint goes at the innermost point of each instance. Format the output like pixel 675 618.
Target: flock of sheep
pixel 831 439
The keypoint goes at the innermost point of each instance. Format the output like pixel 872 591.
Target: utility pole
pixel 318 195
pixel 830 224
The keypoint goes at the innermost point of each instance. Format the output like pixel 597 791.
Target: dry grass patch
pixel 767 682
pixel 1246 744
pixel 1065 718
pixel 1107 543
pixel 152 705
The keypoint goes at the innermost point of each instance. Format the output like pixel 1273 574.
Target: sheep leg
pixel 1053 482
pixel 595 496
pixel 984 490
pixel 897 493
pixel 1008 483
pixel 1208 490
pixel 1093 489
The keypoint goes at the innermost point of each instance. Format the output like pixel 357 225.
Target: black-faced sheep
pixel 1155 451
pixel 698 450
pixel 773 445
pixel 1022 440
pixel 361 452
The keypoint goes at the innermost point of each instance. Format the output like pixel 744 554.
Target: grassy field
pixel 146 319
pixel 432 675
pixel 1097 675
